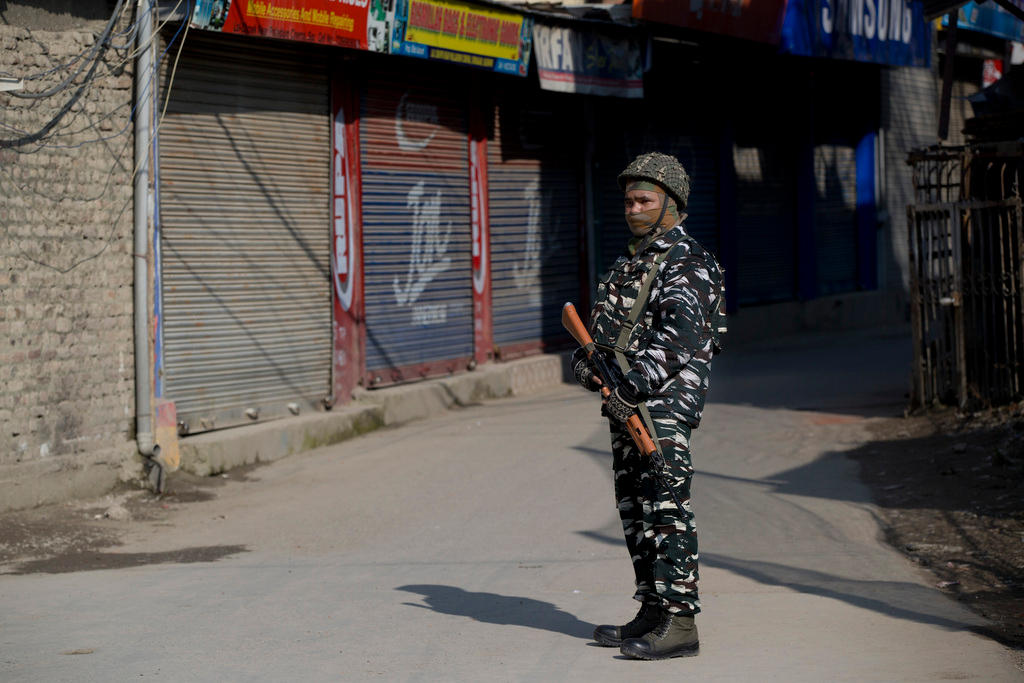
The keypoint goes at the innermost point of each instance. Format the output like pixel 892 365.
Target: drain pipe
pixel 144 85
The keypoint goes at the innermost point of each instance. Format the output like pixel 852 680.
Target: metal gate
pixel 534 196
pixel 966 283
pixel 244 162
pixel 417 239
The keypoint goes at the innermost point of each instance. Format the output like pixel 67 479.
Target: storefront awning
pixel 588 62
pixel 989 18
pixel 890 32
pixel 759 21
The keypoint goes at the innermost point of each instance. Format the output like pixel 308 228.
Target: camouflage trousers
pixel 662 541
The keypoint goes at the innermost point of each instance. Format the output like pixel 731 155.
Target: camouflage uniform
pixel 669 354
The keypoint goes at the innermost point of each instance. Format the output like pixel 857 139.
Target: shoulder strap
pixel 627 327
pixel 641 298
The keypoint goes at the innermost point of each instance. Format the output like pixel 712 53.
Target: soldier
pixel 659 313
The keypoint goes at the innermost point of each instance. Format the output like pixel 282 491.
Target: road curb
pixel 216 452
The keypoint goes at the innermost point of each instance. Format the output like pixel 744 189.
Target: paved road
pixel 484 545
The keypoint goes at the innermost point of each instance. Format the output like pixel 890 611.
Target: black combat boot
pixel 646 619
pixel 675 635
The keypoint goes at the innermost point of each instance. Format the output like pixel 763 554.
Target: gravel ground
pixel 950 488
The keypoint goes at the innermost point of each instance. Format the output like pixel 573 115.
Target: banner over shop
pixel 343 23
pixel 988 18
pixel 458 32
pixel 760 21
pixel 588 62
pixel 890 32
pixel 449 30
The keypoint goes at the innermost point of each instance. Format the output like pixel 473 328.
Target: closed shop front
pixel 765 219
pixel 835 228
pixel 845 112
pixel 243 212
pixel 416 228
pixel 534 157
pixel 909 104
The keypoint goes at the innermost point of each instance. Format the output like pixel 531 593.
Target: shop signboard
pixel 449 30
pixel 355 24
pixel 892 32
pixel 989 18
pixel 760 21
pixel 453 31
pixel 587 62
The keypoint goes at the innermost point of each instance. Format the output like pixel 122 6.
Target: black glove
pixel 621 405
pixel 585 375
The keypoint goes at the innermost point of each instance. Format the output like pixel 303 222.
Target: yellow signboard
pixel 460 27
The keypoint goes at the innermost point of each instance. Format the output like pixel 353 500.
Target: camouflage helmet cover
pixel 663 169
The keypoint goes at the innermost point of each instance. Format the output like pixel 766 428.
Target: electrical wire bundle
pixel 64 129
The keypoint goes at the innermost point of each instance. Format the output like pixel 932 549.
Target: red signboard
pixel 483 323
pixel 991 71
pixel 346 247
pixel 330 22
pixel 760 21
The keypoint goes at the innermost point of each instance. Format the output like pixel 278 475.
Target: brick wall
pixel 66 334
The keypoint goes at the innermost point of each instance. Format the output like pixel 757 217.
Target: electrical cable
pixel 26 139
pixel 130 201
pixel 66 195
pixel 51 145
pixel 41 133
pixel 34 137
pixel 65 65
pixel 95 53
pixel 132 28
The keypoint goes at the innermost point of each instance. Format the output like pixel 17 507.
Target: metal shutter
pixel 699 157
pixel 960 107
pixel 835 227
pixel 534 197
pixel 910 120
pixel 244 161
pixel 416 229
pixel 765 223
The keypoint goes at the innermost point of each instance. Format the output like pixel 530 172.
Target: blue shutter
pixel 416 230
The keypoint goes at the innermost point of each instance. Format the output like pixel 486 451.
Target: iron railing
pixel 966 248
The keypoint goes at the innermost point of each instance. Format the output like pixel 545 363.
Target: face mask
pixel 659 219
pixel 642 223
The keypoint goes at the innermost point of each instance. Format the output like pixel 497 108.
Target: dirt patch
pixel 950 489
pixel 88 560
pixel 77 536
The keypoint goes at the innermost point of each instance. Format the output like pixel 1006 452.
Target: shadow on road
pixel 864 374
pixel 898 599
pixel 90 560
pixel 498 609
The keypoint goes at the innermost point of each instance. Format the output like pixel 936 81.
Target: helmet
pixel 662 169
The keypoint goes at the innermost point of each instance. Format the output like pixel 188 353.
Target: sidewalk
pixel 219 451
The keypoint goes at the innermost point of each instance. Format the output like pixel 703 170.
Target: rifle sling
pixel 627 328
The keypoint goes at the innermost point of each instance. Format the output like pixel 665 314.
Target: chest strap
pixel 639 304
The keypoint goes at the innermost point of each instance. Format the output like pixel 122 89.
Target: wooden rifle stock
pixel 634 425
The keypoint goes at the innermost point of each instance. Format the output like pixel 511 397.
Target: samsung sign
pixel 879 31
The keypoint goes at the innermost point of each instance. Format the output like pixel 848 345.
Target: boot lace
pixel 661 630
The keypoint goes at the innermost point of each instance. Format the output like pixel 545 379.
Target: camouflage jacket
pixel 669 351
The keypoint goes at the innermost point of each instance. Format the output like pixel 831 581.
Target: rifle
pixel 609 382
pixel 609 379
